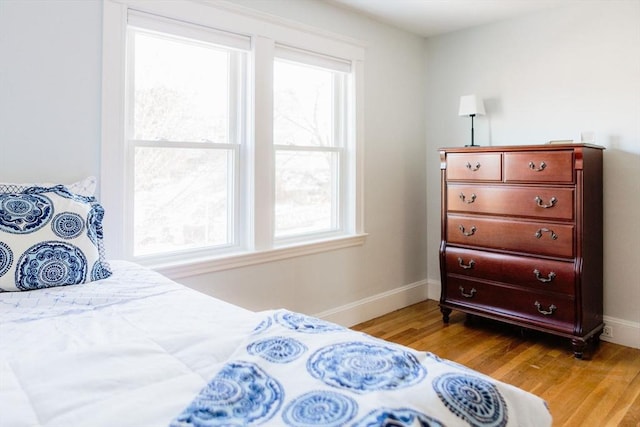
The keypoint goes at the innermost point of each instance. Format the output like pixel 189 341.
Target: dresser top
pixel 536 147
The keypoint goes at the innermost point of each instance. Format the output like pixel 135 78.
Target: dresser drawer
pixel 521 236
pixel 533 273
pixel 549 166
pixel 474 166
pixel 536 202
pixel 552 310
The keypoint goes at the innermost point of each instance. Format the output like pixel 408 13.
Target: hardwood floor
pixel 602 390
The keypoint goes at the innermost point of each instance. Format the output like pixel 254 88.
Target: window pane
pixel 181 90
pixel 303 105
pixel 305 192
pixel 182 199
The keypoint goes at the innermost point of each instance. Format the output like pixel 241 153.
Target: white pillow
pixel 50 237
pixel 85 187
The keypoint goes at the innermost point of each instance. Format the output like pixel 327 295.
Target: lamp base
pixel 472 145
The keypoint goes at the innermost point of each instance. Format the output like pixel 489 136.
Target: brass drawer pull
pixel 540 168
pixel 551 204
pixel 552 309
pixel 471 232
pixel 547 279
pixel 471 199
pixel 538 234
pixel 470 294
pixel 473 168
pixel 468 266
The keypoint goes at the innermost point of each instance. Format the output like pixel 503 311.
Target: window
pixel 310 140
pixel 227 147
pixel 186 124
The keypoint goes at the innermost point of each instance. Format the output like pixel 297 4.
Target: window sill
pixel 193 267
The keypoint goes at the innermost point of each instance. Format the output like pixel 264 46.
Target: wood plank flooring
pixel 601 391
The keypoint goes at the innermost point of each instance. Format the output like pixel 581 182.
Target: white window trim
pixel 192 267
pixel 227 17
pixel 144 23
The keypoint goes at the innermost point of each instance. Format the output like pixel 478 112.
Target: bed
pixel 129 347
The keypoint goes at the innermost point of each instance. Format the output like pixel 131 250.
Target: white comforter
pixel 139 350
pixel 130 350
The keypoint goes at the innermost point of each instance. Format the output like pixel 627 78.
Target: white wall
pixel 50 65
pixel 549 76
pixel 50 55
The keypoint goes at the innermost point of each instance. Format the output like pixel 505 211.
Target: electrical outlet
pixel 607 331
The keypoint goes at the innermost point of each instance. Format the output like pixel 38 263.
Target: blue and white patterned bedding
pixel 138 350
pixel 295 370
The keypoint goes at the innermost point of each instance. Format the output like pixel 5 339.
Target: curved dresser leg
pixel 578 347
pixel 445 314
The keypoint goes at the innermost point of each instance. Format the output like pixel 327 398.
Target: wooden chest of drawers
pixel 522 237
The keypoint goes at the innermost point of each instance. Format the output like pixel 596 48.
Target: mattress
pixel 137 349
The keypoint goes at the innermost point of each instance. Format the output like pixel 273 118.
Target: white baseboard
pixel 376 305
pixel 624 332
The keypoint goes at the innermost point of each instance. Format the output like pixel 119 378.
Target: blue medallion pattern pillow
pixel 49 237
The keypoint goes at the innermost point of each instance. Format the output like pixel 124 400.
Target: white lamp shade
pixel 470 104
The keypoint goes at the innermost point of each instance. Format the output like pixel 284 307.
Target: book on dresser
pixel 522 237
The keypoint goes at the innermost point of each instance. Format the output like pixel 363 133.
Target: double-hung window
pixel 186 124
pixel 310 140
pixel 222 143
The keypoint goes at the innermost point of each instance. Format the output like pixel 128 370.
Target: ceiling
pixel 434 17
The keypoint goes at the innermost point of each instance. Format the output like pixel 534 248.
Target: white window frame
pixel 146 23
pixel 342 208
pixel 265 32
